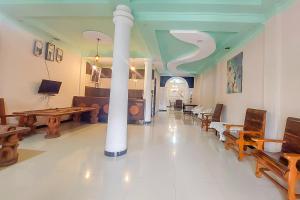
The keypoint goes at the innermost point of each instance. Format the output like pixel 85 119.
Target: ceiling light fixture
pixel 97 57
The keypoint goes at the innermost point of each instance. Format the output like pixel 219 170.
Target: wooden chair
pixel 284 164
pixel 3 116
pixel 254 126
pixel 178 104
pixel 207 118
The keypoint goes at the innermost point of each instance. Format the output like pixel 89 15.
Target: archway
pixel 177 88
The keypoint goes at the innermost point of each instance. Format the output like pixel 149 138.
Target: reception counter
pixel 135 108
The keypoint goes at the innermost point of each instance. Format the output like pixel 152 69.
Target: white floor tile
pixel 171 159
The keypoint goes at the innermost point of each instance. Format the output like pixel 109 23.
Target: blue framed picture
pixel 235 74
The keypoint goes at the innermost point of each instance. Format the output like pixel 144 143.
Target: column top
pixel 123 13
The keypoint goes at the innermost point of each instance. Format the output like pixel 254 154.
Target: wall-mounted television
pixel 49 87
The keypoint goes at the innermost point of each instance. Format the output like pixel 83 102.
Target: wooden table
pixel 9 141
pixel 28 118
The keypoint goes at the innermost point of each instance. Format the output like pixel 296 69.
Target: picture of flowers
pixel 235 74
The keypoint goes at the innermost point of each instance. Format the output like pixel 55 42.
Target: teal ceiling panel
pixel 230 22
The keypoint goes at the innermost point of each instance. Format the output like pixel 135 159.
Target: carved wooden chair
pixel 207 118
pixel 254 127
pixel 284 164
pixel 3 116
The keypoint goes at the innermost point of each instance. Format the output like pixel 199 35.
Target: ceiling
pixel 230 22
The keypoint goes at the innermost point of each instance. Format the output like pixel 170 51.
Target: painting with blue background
pixel 235 74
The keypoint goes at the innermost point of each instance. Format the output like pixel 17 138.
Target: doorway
pixel 177 89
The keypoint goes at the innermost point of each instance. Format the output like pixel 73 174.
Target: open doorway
pixel 178 92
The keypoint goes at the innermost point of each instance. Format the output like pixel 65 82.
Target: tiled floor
pixel 168 160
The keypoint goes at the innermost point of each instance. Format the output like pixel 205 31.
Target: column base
pixel 147 123
pixel 115 154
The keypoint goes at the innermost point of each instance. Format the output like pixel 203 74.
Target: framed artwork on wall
pixel 235 74
pixel 59 55
pixel 38 48
pixel 50 51
pixel 96 73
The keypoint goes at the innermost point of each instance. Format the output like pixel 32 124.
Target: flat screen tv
pixel 49 87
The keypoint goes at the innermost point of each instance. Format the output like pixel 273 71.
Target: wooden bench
pixel 254 126
pixel 207 118
pixel 284 164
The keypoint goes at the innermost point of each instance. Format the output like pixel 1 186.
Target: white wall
pixel 196 96
pixel 21 72
pixel 290 69
pixel 252 94
pixel 271 70
pixel 206 86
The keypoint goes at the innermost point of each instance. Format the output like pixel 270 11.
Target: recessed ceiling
pixel 205 43
pixel 229 22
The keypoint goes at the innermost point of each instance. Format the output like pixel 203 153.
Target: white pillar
pixel 116 138
pixel 147 90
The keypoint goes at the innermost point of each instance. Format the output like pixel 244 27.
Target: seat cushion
pixel 273 161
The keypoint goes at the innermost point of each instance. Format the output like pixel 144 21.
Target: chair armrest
pixel 207 115
pixel 3 118
pixel 260 142
pixel 228 126
pixel 204 116
pixel 268 140
pixel 293 158
pixel 251 132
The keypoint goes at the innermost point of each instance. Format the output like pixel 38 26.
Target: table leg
pixel 76 117
pixel 53 127
pixel 27 121
pixel 8 152
pixel 94 114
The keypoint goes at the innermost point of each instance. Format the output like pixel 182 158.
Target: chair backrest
pixel 291 136
pixel 2 111
pixel 217 113
pixel 255 120
pixel 178 103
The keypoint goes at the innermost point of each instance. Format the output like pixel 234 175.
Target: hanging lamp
pixel 97 57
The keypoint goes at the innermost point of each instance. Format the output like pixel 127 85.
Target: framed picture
pixel 50 51
pixel 59 55
pixel 235 74
pixel 38 48
pixel 96 73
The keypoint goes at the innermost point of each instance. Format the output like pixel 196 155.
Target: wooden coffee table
pixel 28 118
pixel 9 141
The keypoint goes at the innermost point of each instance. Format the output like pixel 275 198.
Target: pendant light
pixel 97 57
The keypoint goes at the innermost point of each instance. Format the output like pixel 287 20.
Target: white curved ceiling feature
pixel 204 41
